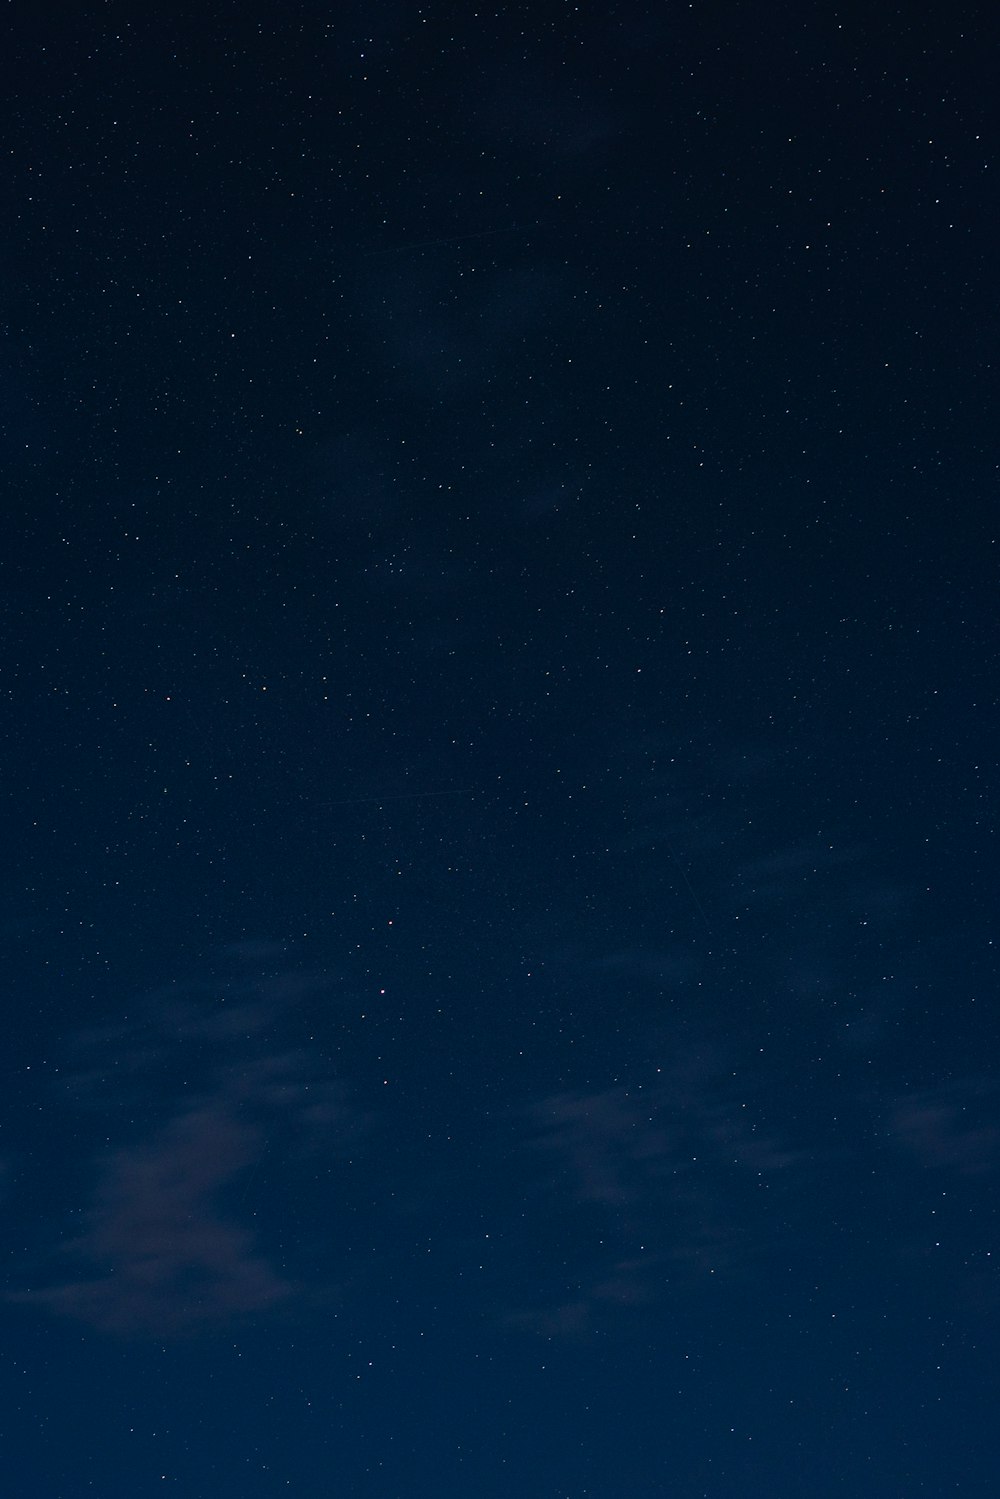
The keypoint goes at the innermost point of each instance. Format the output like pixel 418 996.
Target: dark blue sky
pixel 499 660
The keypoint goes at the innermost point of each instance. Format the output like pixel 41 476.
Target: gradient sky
pixel 499 587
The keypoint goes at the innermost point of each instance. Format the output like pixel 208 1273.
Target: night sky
pixel 499 664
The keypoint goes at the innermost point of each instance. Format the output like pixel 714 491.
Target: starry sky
pixel 499 733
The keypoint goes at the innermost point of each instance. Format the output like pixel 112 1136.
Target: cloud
pixel 447 340
pixel 661 966
pixel 950 1128
pixel 169 1258
pixel 614 1144
pixel 194 1095
pixel 535 110
pixel 606 1142
pixel 668 1182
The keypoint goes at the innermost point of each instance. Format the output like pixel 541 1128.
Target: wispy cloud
pixel 534 110
pixel 196 1091
pixel 950 1128
pixel 607 1144
pixel 666 1180
pixel 166 1257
